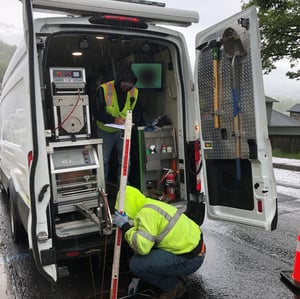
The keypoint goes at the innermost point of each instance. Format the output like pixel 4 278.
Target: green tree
pixel 280 31
pixel 6 52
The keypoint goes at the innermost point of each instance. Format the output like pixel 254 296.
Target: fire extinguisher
pixel 170 184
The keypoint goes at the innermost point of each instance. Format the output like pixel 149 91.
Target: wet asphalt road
pixel 241 262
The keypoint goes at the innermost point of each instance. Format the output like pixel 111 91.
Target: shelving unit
pixel 157 149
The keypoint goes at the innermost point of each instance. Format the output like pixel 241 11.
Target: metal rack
pixel 70 103
pixel 77 173
pixel 77 176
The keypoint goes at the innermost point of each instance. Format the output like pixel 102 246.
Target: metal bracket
pixel 245 23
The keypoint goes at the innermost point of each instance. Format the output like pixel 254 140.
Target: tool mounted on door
pixel 233 47
pixel 215 48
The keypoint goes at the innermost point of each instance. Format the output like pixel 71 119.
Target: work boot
pixel 177 292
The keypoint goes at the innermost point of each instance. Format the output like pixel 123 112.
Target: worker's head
pixel 126 79
pixel 134 201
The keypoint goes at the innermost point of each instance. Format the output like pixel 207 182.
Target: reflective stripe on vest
pixel 109 86
pixel 157 239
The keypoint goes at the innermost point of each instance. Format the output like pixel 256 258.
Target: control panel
pixel 73 158
pixel 67 75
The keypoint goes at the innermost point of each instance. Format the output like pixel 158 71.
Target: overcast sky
pixel 210 11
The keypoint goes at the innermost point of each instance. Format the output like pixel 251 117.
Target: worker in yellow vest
pixel 168 245
pixel 113 100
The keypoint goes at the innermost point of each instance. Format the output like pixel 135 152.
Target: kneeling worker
pixel 167 244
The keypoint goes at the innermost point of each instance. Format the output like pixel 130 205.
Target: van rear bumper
pixel 77 248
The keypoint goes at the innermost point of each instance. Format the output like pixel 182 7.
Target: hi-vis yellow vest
pixel 112 106
pixel 157 224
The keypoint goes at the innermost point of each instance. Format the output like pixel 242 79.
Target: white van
pixel 202 141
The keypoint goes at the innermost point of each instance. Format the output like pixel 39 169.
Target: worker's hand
pixel 119 120
pixel 133 286
pixel 120 219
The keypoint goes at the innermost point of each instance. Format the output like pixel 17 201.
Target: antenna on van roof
pixel 146 2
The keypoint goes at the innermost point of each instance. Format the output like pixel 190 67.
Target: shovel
pixel 233 48
pixel 215 48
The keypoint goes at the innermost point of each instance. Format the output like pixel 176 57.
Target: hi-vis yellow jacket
pixel 112 106
pixel 158 224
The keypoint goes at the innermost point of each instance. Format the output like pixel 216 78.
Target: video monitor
pixel 149 74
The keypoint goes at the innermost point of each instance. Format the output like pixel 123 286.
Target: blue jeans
pixel 109 141
pixel 162 269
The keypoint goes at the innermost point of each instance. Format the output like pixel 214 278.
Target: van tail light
pixel 72 253
pixel 121 18
pixel 29 159
pixel 259 206
pixel 197 157
pixel 118 21
pixel 197 154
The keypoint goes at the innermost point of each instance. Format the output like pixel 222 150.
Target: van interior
pixel 74 63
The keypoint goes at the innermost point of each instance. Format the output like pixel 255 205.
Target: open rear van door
pixel 39 231
pixel 237 158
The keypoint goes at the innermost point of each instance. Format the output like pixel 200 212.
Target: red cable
pixel 70 113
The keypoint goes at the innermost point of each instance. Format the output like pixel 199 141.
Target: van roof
pixel 154 14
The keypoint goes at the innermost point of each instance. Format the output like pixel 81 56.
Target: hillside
pixel 6 52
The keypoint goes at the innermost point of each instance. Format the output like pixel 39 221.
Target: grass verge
pixel 280 154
